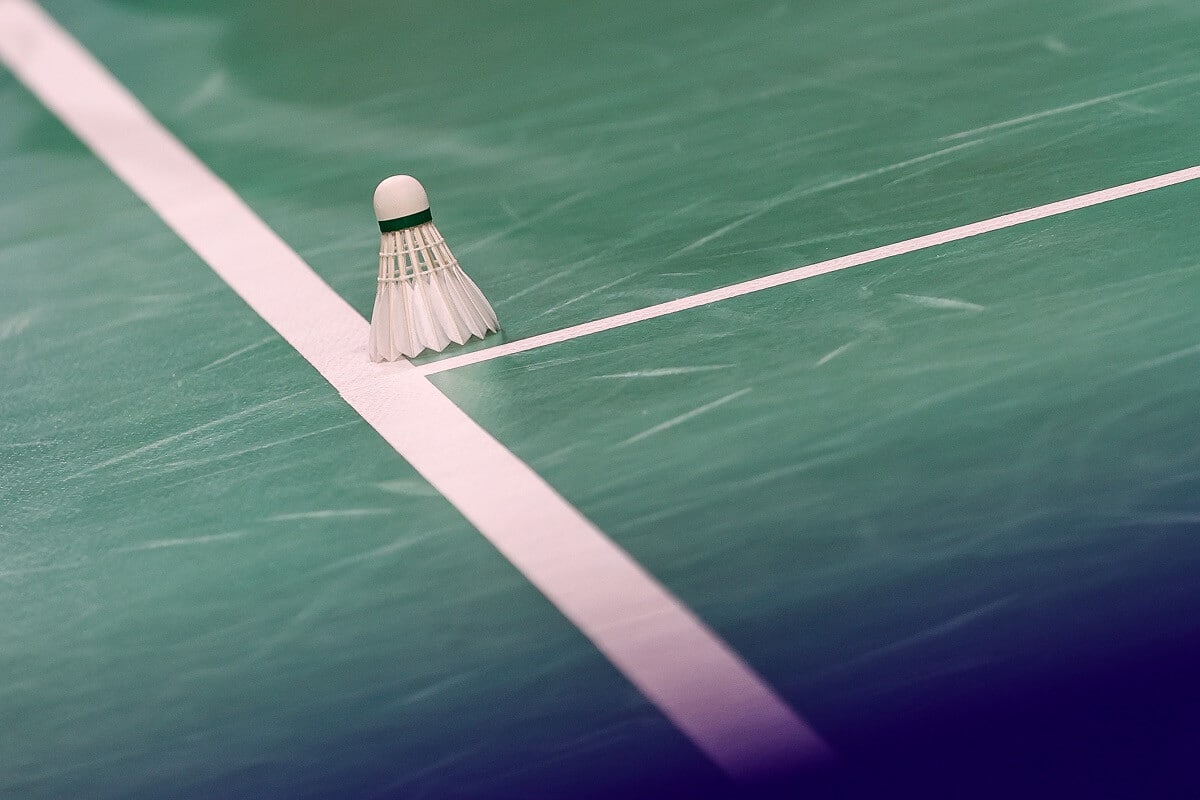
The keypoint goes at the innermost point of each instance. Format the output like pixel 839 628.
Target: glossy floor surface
pixel 947 504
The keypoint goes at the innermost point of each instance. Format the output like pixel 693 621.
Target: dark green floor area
pixel 901 486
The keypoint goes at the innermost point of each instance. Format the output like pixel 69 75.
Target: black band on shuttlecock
pixel 400 223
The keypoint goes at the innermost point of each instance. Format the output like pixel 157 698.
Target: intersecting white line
pixel 676 661
pixel 812 270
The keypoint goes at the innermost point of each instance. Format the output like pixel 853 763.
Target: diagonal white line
pixel 813 270
pixel 680 665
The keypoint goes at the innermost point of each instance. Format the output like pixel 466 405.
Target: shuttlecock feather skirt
pixel 424 300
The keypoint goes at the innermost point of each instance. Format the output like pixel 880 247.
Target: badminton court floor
pixel 944 503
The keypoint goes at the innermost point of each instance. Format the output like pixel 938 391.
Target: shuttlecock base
pixel 428 312
pixel 424 300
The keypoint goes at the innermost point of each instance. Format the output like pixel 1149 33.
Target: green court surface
pixel 946 504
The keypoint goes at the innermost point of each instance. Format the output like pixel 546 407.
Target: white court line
pixel 680 665
pixel 813 270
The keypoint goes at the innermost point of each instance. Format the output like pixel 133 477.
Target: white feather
pixel 424 300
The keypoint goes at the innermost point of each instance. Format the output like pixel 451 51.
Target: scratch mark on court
pixel 525 222
pixel 408 487
pixel 675 509
pixel 1166 359
pixel 587 294
pixel 331 513
pixel 1137 108
pixel 152 446
pixel 946 303
pixel 411 777
pixel 376 554
pixel 1052 112
pixel 1055 45
pixel 238 352
pixel 436 688
pixel 555 275
pixel 17 572
pixel 662 372
pixel 556 456
pixel 169 300
pixel 325 598
pixel 899 165
pixel 695 412
pixel 205 93
pixel 197 462
pixel 552 362
pixel 654 228
pixel 832 354
pixel 836 449
pixel 161 543
pixel 934 631
pixel 15 325
pixel 132 318
pixel 796 194
pixel 23 445
pixel 207 475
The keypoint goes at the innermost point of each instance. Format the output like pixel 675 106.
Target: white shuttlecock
pixel 424 300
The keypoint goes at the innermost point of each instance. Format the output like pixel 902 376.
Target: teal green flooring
pixel 887 487
pixel 217 581
pixel 573 155
pixel 929 474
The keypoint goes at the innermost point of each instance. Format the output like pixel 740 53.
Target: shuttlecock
pixel 424 300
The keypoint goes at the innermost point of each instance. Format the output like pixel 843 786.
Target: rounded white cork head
pixel 400 196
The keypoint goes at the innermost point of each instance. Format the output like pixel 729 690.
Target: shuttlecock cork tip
pixel 401 202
